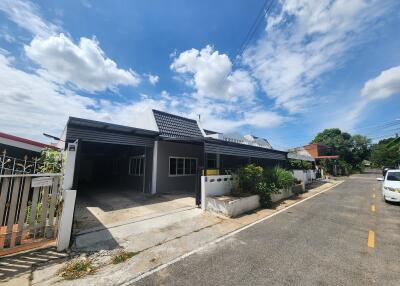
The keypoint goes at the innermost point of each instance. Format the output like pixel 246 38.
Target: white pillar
pixel 65 224
pixel 203 193
pixel 154 173
pixel 69 168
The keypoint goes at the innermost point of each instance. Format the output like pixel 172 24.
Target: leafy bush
pixel 300 165
pixel 50 161
pixel 250 176
pixel 255 180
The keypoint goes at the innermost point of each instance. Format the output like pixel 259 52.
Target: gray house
pixel 168 159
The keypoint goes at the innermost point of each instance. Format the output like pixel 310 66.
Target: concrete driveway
pixel 323 241
pixel 105 207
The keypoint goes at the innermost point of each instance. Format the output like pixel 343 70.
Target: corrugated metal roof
pixel 103 132
pixel 171 125
pixel 217 146
pixel 87 123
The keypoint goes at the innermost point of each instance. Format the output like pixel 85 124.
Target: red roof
pixel 23 140
pixel 328 157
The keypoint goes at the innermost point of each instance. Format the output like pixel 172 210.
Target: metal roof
pixel 171 125
pixel 105 126
pixel 212 145
pixel 296 156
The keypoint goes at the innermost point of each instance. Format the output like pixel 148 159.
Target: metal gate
pixel 29 210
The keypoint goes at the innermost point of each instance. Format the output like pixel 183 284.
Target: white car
pixel 391 186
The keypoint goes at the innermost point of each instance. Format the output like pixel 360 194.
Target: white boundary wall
pixel 215 186
pixel 306 176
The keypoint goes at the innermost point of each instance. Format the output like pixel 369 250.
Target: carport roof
pixel 212 145
pixel 87 123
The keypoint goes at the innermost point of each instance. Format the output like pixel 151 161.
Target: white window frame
pixel 184 169
pixel 141 159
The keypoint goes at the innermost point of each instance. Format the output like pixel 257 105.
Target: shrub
pixel 50 161
pixel 283 179
pixel 250 176
pixel 255 180
pixel 300 165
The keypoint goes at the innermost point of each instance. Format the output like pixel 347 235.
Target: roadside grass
pixel 76 269
pixel 122 256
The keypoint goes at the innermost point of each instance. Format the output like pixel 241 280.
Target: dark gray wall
pixel 107 165
pixel 166 183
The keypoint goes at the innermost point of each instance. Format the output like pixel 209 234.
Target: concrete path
pixel 346 236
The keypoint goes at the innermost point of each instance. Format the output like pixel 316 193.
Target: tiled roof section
pixel 171 125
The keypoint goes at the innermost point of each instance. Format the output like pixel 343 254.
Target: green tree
pixel 386 153
pixel 352 150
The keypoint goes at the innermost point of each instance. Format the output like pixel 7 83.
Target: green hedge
pixel 263 182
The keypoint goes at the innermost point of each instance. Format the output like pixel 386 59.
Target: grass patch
pixel 122 256
pixel 76 269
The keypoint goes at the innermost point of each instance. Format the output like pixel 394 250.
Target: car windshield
pixel 393 176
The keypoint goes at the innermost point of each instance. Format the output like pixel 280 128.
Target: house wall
pixel 316 150
pixel 165 182
pixel 107 165
pixel 19 153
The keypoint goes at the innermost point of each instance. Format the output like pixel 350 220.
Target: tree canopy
pixel 352 149
pixel 386 153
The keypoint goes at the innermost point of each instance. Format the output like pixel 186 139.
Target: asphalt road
pixel 322 241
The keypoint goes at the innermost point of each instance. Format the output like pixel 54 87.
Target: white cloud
pixel 384 85
pixel 41 100
pixel 33 105
pixel 153 79
pixel 85 65
pixel 223 97
pixel 211 74
pixel 304 41
pixel 26 15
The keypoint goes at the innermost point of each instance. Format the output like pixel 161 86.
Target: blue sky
pixel 310 65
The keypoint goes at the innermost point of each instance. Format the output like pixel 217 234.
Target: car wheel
pixel 384 198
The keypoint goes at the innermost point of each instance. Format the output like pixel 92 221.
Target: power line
pixel 379 125
pixel 253 29
pixel 384 136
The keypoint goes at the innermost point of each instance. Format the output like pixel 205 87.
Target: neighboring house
pixel 318 151
pixel 19 155
pixel 18 147
pixel 169 158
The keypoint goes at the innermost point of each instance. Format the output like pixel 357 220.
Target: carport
pixel 113 170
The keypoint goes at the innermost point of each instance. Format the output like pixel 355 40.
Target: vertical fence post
pixel 69 168
pixel 65 224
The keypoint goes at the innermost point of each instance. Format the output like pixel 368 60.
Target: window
pixel 212 163
pixel 180 166
pixel 136 166
pixel 393 176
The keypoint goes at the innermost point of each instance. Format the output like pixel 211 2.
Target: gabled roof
pixel 171 125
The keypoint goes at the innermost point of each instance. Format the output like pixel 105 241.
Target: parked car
pixel 391 186
pixel 385 169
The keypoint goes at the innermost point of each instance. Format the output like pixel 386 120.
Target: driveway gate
pixel 29 210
